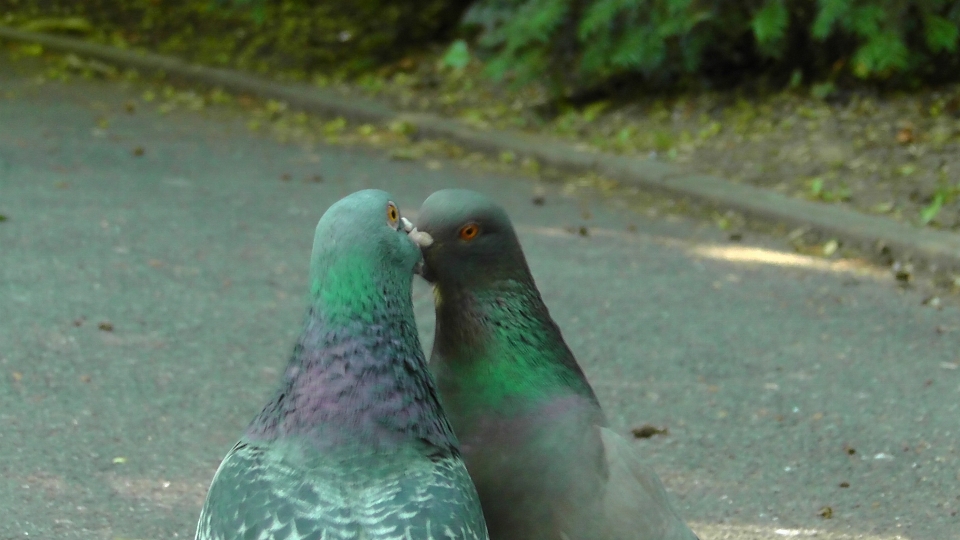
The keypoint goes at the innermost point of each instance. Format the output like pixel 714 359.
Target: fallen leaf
pixel 405 154
pixel 646 431
pixel 905 135
pixel 830 248
pixel 883 208
pixel 402 127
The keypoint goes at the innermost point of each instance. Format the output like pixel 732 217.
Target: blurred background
pixel 843 102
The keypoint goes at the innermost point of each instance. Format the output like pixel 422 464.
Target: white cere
pixel 422 238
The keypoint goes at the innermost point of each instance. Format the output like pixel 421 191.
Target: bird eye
pixel 393 214
pixel 469 231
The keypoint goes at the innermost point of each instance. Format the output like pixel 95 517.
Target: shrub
pixel 578 43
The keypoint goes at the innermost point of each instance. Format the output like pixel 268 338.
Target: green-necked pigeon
pixel 535 440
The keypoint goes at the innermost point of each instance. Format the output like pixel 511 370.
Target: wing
pixel 257 494
pixel 635 504
pixel 430 499
pixel 257 497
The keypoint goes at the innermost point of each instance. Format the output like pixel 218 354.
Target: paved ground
pixel 148 303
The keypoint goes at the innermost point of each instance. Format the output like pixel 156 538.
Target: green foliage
pixel 579 43
pixel 525 39
pixel 769 26
pixel 819 192
pixel 263 35
pixel 945 193
pixel 625 34
pixel 941 34
pixel 457 56
pixel 258 8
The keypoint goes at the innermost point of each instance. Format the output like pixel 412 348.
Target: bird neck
pixel 357 376
pixel 501 339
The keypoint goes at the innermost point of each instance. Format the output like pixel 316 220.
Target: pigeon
pixel 354 444
pixel 535 439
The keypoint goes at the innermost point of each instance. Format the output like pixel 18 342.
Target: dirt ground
pixel 890 154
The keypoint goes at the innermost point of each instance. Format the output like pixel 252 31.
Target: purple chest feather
pixel 356 383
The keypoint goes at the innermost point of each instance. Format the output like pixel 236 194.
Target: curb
pixel 927 249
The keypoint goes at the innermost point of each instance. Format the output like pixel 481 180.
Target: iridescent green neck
pixel 357 375
pixel 349 289
pixel 503 343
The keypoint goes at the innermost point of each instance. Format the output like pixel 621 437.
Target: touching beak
pixel 422 239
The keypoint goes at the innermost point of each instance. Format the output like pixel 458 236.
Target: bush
pixel 345 35
pixel 579 43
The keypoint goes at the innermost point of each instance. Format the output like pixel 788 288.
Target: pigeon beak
pixel 423 241
pixel 421 238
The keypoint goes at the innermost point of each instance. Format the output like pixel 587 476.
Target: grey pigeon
pixel 535 440
pixel 354 444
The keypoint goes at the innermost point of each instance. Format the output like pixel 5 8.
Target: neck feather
pixel 502 339
pixel 357 375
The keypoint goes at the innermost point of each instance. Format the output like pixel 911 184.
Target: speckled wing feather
pixel 271 493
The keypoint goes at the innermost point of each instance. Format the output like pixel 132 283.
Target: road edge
pixel 926 249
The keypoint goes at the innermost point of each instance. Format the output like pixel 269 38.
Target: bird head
pixel 366 229
pixel 472 240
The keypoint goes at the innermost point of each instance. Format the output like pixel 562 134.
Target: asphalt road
pixel 152 280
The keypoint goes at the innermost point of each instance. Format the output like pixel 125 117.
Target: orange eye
pixel 469 231
pixel 393 214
